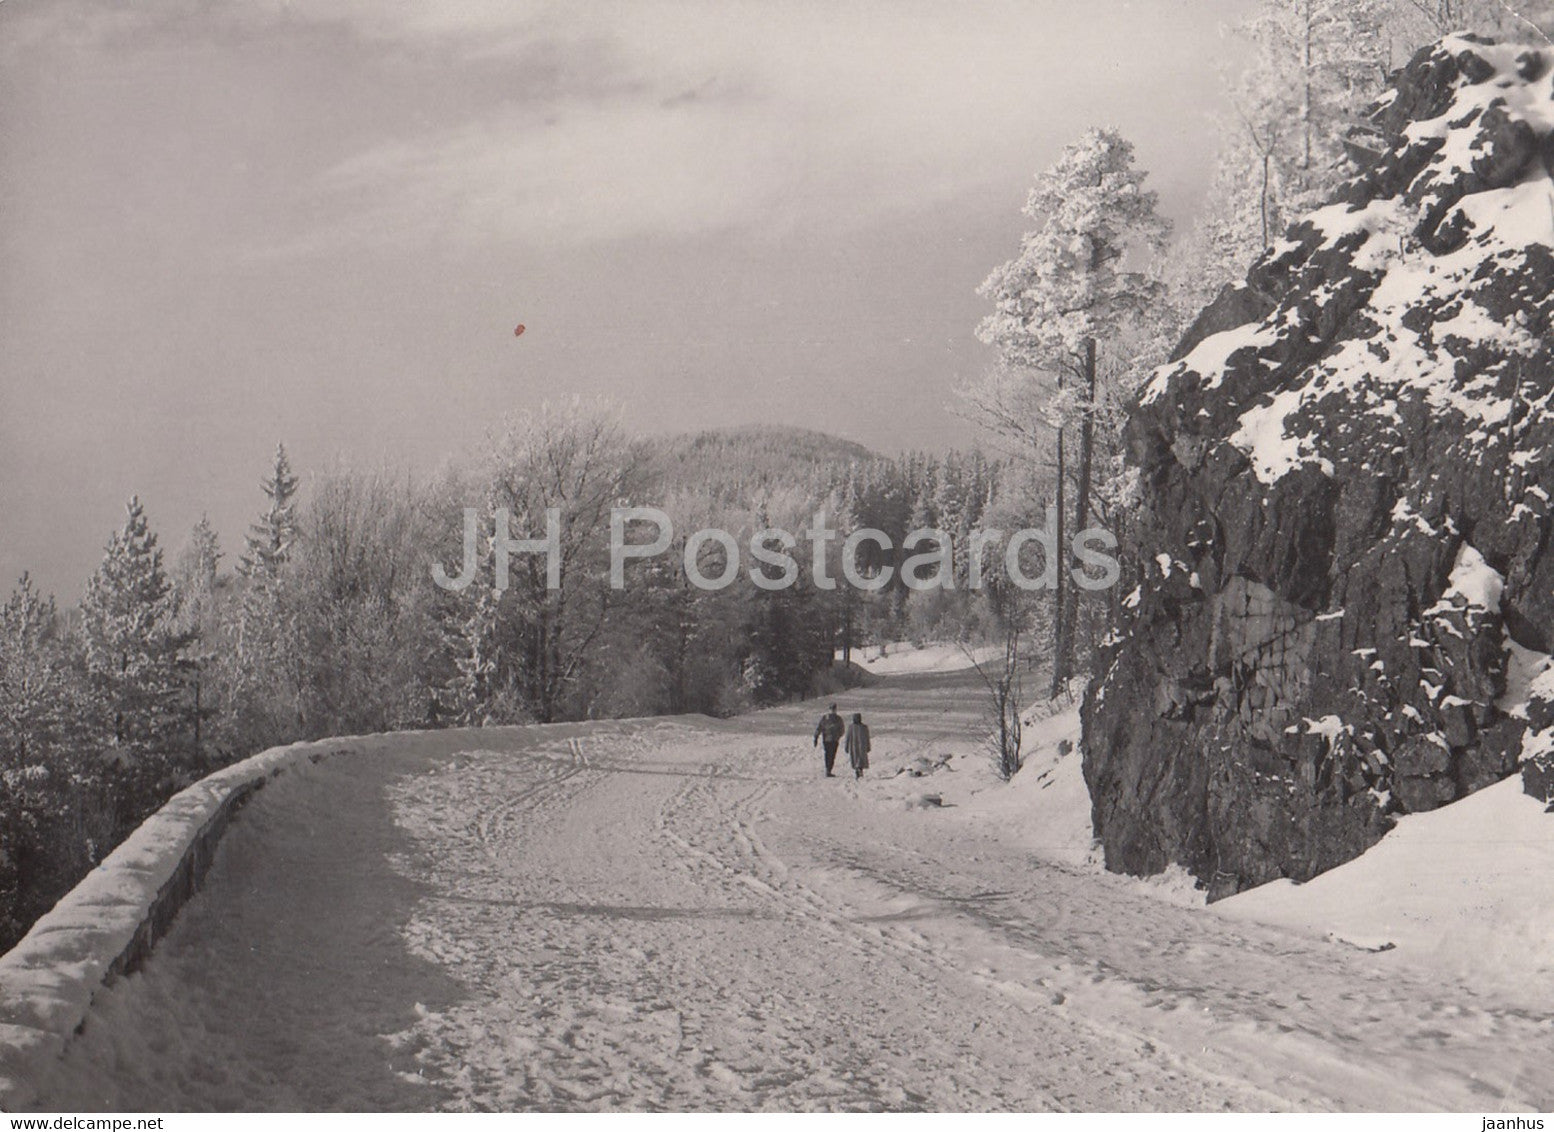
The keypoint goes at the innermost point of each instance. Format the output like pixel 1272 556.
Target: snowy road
pixel 684 914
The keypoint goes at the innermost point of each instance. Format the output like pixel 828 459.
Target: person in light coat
pixel 857 745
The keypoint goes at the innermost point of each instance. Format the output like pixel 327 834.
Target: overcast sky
pixel 318 221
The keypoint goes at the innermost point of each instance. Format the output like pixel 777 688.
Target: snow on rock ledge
pixel 1354 455
pixel 106 926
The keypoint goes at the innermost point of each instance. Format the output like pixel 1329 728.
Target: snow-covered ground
pixel 903 657
pixel 1467 890
pixel 686 914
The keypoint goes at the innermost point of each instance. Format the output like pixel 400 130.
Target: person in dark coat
pixel 857 744
pixel 829 730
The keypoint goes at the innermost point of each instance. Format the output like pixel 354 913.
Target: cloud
pixel 700 118
pixel 27 28
pixel 581 172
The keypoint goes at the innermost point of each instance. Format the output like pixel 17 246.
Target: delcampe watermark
pixel 930 562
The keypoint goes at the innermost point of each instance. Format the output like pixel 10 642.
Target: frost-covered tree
pixel 1418 21
pixel 470 696
pixel 260 681
pixel 133 643
pixel 33 678
pixel 195 584
pixel 194 576
pixel 135 663
pixel 270 540
pixel 201 558
pixel 1313 67
pixel 50 828
pixel 573 459
pixel 360 606
pixel 1071 292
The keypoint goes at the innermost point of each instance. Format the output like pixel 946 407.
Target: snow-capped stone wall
pixel 106 926
pixel 1353 460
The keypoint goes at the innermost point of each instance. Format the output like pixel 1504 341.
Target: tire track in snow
pixel 909 952
pixel 1340 1041
pixel 491 824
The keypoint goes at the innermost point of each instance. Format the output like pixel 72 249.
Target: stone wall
pixel 106 926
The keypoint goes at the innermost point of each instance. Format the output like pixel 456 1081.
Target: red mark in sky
pixel 519 332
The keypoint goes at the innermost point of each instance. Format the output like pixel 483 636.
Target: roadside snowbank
pixel 107 924
pixel 1467 889
pixel 1044 809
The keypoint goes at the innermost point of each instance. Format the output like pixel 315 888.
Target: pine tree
pixel 845 514
pixel 261 686
pixel 270 540
pixel 195 583
pixel 135 663
pixel 50 828
pixel 198 563
pixel 33 680
pixel 194 578
pixel 1064 298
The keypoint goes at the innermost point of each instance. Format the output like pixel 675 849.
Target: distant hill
pixel 734 463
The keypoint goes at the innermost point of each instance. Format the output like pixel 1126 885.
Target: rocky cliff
pixel 1342 589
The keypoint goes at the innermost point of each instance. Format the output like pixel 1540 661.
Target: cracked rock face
pixel 1341 590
